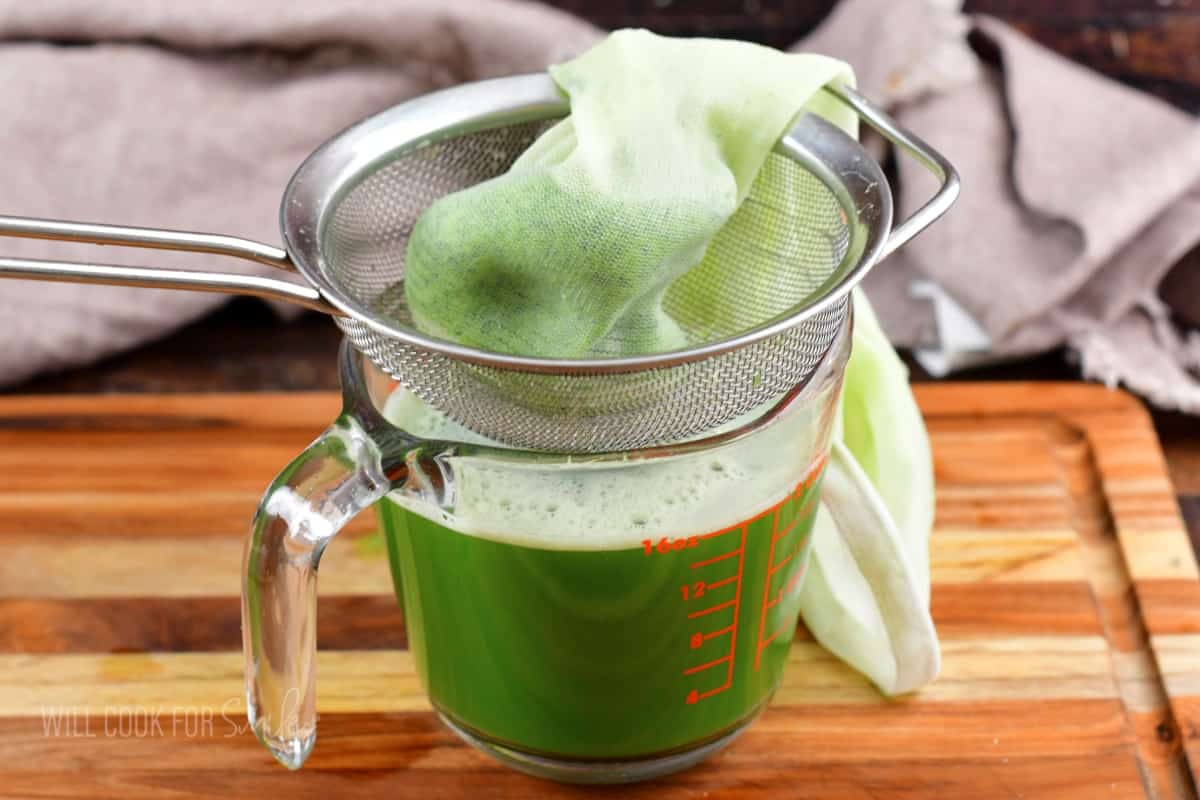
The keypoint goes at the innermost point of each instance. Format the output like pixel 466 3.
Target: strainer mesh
pixel 784 258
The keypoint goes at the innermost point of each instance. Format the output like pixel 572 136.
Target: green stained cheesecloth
pixel 610 234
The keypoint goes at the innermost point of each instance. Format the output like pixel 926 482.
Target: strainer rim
pixel 338 165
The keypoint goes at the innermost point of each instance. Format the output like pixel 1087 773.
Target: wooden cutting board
pixel 1065 592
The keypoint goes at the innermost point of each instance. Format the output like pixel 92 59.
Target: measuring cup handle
pixel 870 534
pixel 339 475
pixel 919 149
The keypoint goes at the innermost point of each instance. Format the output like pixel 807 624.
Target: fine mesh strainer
pixel 348 211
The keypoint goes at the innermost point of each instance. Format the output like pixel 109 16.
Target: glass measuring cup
pixel 587 618
pixel 345 217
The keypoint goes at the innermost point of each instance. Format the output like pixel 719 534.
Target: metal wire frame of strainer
pixel 348 211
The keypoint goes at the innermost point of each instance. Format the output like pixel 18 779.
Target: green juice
pixel 604 652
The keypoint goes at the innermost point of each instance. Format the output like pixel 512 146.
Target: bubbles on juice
pixel 607 505
pixel 610 504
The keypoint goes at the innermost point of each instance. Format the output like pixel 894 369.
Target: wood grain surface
pixel 1065 592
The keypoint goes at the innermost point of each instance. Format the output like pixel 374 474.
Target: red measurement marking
pixel 809 506
pixel 715 559
pixel 695 696
pixel 721 632
pixel 762 617
pixel 791 527
pixel 722 582
pixel 749 521
pixel 791 554
pixel 737 608
pixel 769 602
pixel 711 609
pixel 795 581
pixel 709 665
pixel 697 639
pixel 763 643
pixel 792 584
pixel 782 563
pixel 777 536
pixel 801 516
pixel 705 536
pixel 666 545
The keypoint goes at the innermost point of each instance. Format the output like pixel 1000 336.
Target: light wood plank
pixel 355 564
pixel 1017 668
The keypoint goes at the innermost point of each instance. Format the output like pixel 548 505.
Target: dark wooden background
pixel 1150 44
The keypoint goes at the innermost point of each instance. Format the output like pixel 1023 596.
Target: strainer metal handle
pixel 916 147
pixel 147 277
pixel 310 297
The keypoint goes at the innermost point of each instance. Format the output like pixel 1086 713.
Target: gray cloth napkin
pixel 1079 193
pixel 193 115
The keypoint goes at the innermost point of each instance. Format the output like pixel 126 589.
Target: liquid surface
pixel 614 505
